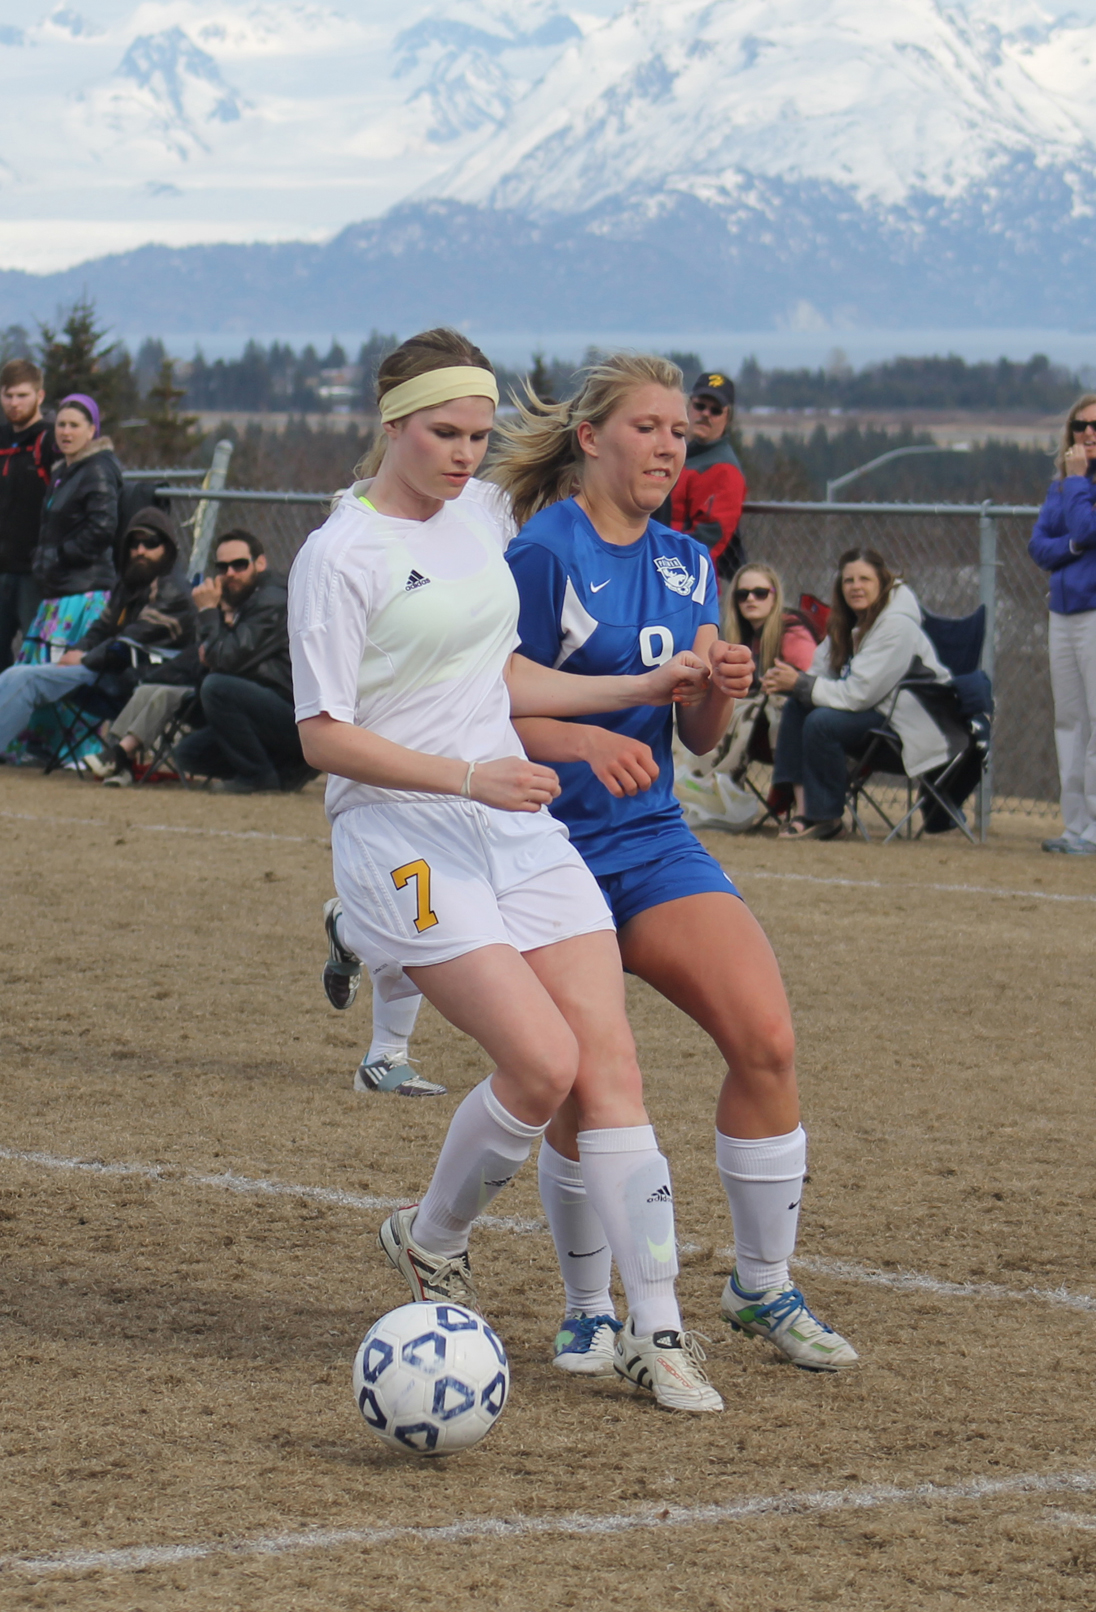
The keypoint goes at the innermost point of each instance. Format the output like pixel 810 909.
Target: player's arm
pixel 624 765
pixel 703 724
pixel 511 783
pixel 537 690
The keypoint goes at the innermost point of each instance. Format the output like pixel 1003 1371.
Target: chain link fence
pixel 953 556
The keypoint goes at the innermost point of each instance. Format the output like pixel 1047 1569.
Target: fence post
pixel 987 595
pixel 205 516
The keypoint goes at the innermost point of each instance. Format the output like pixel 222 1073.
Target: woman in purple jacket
pixel 1064 543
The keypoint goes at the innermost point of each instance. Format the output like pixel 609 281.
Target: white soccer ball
pixel 431 1378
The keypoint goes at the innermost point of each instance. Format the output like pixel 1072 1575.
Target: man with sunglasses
pixel 147 607
pixel 250 742
pixel 707 501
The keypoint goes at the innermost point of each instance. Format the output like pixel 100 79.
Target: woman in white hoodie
pixel 875 640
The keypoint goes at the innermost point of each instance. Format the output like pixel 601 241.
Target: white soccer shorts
pixel 424 882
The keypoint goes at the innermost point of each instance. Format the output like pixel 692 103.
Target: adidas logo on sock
pixel 415 580
pixel 661 1195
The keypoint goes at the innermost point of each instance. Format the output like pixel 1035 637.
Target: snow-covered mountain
pixel 203 120
pixel 824 162
pixel 710 99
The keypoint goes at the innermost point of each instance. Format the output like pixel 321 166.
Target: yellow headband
pixel 437 386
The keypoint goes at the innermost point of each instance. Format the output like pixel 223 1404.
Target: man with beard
pixel 250 741
pixel 147 607
pixel 27 454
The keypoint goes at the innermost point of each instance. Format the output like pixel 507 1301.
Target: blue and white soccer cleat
pixel 385 1075
pixel 342 973
pixel 584 1344
pixel 781 1315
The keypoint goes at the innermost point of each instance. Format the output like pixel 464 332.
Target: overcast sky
pixel 18 13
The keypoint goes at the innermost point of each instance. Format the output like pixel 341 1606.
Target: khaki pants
pixel 148 713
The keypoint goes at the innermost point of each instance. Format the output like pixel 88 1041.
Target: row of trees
pixel 143 398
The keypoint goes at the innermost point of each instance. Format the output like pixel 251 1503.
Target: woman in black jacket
pixel 74 561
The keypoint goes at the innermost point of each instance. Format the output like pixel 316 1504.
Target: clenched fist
pixel 732 668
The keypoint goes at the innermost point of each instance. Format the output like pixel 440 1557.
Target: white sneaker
pixel 781 1315
pixel 432 1278
pixel 669 1365
pixel 584 1345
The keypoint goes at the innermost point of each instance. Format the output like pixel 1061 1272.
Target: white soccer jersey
pixel 404 627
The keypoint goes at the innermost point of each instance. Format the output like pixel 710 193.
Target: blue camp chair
pixel 964 710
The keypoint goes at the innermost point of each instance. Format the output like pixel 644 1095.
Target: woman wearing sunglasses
pixel 453 878
pixel 605 590
pixel 754 615
pixel 1064 545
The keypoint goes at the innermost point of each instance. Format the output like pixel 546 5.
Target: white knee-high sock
pixel 582 1246
pixel 484 1149
pixel 628 1182
pixel 393 1023
pixel 763 1181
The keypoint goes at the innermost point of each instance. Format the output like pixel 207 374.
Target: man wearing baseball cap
pixel 707 500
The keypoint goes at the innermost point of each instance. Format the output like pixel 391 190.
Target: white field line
pixel 229 1181
pixel 881 884
pixel 802 878
pixel 847 1270
pixel 802 1504
pixel 164 828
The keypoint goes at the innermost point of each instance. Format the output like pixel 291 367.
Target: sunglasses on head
pixel 146 545
pixel 708 405
pixel 1079 427
pixel 222 566
pixel 742 594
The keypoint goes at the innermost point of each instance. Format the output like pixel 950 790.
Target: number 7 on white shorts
pixel 420 872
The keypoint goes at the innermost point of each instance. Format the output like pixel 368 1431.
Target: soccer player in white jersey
pixel 606 591
pixel 454 880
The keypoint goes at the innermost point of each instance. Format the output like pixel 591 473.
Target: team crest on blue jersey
pixel 674 574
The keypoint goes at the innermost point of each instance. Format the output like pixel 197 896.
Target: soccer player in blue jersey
pixel 607 591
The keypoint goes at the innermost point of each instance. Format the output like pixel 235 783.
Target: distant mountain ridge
pixel 681 164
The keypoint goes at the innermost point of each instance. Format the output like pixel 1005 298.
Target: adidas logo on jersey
pixel 415 580
pixel 661 1195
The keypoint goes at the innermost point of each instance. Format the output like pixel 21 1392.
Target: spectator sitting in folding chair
pixel 709 787
pixel 149 722
pixel 146 609
pixel 249 742
pixel 875 639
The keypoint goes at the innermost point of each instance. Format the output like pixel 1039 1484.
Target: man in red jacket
pixel 707 501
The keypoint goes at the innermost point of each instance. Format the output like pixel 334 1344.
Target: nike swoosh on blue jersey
pixel 596 587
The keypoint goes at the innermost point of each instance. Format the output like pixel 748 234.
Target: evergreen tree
pixel 166 437
pixel 14 343
pixel 77 358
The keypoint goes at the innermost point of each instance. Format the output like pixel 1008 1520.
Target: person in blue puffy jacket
pixel 1064 544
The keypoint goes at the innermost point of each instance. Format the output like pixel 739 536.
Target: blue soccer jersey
pixel 605 610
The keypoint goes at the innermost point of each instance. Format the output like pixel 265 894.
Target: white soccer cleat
pixel 781 1315
pixel 584 1345
pixel 432 1278
pixel 669 1366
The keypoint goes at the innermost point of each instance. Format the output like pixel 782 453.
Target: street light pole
pixel 884 458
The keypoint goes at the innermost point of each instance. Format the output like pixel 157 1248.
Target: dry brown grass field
pixel 176 1336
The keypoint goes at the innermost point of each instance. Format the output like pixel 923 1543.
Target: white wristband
pixel 466 787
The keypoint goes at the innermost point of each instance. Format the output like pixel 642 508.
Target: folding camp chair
pixel 80 714
pixel 185 716
pixel 963 708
